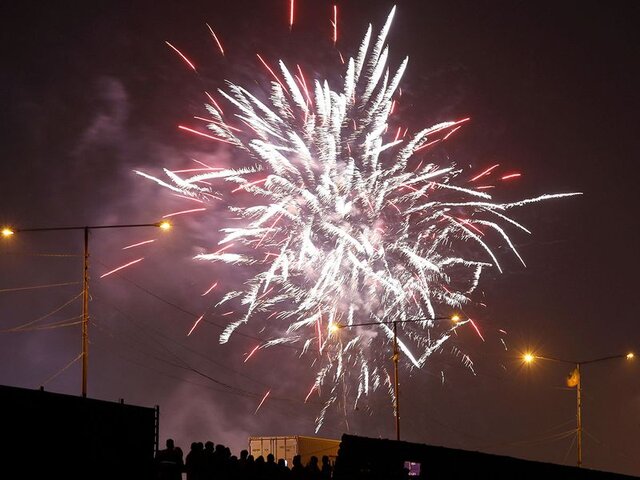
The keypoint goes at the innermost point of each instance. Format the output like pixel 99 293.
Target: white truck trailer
pixel 288 447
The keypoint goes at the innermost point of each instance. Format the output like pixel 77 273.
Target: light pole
pixel 396 354
pixel 8 232
pixel 574 380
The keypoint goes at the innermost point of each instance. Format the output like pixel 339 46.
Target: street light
pixel 8 232
pixel 574 380
pixel 335 327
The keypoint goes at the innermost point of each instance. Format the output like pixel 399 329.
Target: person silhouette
pixel 194 462
pixel 283 471
pixel 259 471
pixel 209 460
pixel 270 468
pixel 312 471
pixel 169 463
pixel 297 470
pixel 326 471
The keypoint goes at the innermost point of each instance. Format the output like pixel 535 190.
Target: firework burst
pixel 342 225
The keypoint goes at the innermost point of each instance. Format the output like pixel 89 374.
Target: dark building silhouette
pixel 361 458
pixel 48 435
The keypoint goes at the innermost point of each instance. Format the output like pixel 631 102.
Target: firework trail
pixel 345 226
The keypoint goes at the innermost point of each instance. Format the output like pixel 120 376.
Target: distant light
pixel 7 232
pixel 333 327
pixel 528 358
pixel 165 225
pixel 630 356
pixel 455 318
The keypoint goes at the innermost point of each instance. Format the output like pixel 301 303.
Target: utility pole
pixel 396 357
pixel 579 415
pixel 529 358
pixel 85 312
pixel 396 354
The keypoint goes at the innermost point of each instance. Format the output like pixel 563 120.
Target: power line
pixel 187 366
pixel 24 326
pixel 62 369
pixel 228 388
pixel 68 322
pixel 181 345
pixel 30 254
pixel 195 315
pixel 35 287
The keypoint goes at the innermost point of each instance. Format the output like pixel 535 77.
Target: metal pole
pixel 156 430
pixel 579 415
pixel 85 312
pixel 395 378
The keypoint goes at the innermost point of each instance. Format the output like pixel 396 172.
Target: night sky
pixel 90 92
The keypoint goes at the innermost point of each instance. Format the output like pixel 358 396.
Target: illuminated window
pixel 413 468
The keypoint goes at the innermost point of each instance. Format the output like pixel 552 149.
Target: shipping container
pixel 288 447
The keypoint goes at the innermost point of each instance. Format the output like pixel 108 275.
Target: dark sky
pixel 89 91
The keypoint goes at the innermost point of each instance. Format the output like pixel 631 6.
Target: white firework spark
pixel 341 230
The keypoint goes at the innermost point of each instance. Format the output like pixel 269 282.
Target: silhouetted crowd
pixel 204 462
